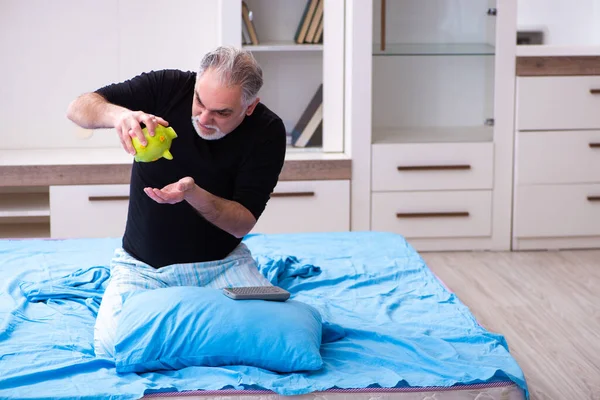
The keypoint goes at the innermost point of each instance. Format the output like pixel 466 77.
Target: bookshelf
pixel 295 69
pixel 282 46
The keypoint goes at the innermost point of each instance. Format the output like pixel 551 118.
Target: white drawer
pixel 558 157
pixel 428 214
pixel 307 206
pixel 88 211
pixel 555 103
pixel 432 166
pixel 557 210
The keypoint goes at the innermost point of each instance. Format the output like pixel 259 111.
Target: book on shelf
pixel 249 35
pixel 319 33
pixel 309 128
pixel 245 34
pixel 310 29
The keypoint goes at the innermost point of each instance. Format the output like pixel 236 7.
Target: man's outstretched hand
pixel 172 193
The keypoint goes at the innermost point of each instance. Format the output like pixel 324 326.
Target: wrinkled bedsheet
pixel 401 326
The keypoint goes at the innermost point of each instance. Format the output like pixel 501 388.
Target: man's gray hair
pixel 235 67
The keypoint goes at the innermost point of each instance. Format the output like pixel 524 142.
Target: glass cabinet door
pixel 433 70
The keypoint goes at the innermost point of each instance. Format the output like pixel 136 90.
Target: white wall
pixel 565 22
pixel 54 51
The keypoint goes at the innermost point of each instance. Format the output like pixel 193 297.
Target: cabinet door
pixel 543 211
pixel 54 51
pixel 434 71
pixel 307 206
pixel 555 157
pixel 558 103
pixel 88 211
pixel 442 214
pixel 434 166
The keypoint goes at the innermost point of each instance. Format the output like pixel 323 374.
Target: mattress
pixel 492 391
pixel 406 335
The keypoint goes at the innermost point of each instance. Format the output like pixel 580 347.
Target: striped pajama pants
pixel 128 274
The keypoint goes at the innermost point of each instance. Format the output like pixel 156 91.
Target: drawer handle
pixel 434 167
pixel 293 194
pixel 595 91
pixel 595 145
pixel 108 198
pixel 593 198
pixel 433 214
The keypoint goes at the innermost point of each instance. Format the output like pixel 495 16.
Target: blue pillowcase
pixel 178 327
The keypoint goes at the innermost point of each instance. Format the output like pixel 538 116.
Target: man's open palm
pixel 172 193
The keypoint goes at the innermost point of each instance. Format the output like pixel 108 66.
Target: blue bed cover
pixel 402 326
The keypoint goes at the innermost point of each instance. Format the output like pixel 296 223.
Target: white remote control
pixel 272 293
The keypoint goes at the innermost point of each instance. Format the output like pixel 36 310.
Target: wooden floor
pixel 546 304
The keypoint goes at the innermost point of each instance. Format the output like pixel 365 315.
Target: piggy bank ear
pixel 167 154
pixel 170 132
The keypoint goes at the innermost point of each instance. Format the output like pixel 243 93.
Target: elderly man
pixel 187 216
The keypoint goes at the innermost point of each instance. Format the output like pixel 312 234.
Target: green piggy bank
pixel 158 145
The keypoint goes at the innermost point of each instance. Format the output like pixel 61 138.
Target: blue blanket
pixel 401 326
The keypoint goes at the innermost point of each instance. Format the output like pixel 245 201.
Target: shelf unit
pixel 440 116
pixel 281 46
pixel 556 179
pixel 434 49
pixel 24 212
pixel 433 134
pixel 293 72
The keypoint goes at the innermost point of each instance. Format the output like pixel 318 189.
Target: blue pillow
pixel 178 327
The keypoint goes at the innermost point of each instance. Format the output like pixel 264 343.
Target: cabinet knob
pixel 595 145
pixel 594 91
pixel 593 198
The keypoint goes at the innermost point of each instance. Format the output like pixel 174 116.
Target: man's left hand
pixel 172 193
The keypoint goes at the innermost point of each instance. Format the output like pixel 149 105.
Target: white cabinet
pixel 307 206
pixel 85 211
pixel 557 163
pixel 439 110
pixel 78 211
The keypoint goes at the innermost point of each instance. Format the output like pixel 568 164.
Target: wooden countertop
pixel 113 166
pixel 549 60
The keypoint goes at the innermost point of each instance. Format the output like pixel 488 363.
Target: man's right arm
pixel 93 111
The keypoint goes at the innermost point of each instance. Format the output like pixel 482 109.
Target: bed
pixel 404 334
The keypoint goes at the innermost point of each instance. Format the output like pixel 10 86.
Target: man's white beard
pixel 216 135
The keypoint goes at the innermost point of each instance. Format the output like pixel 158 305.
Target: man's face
pixel 217 109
